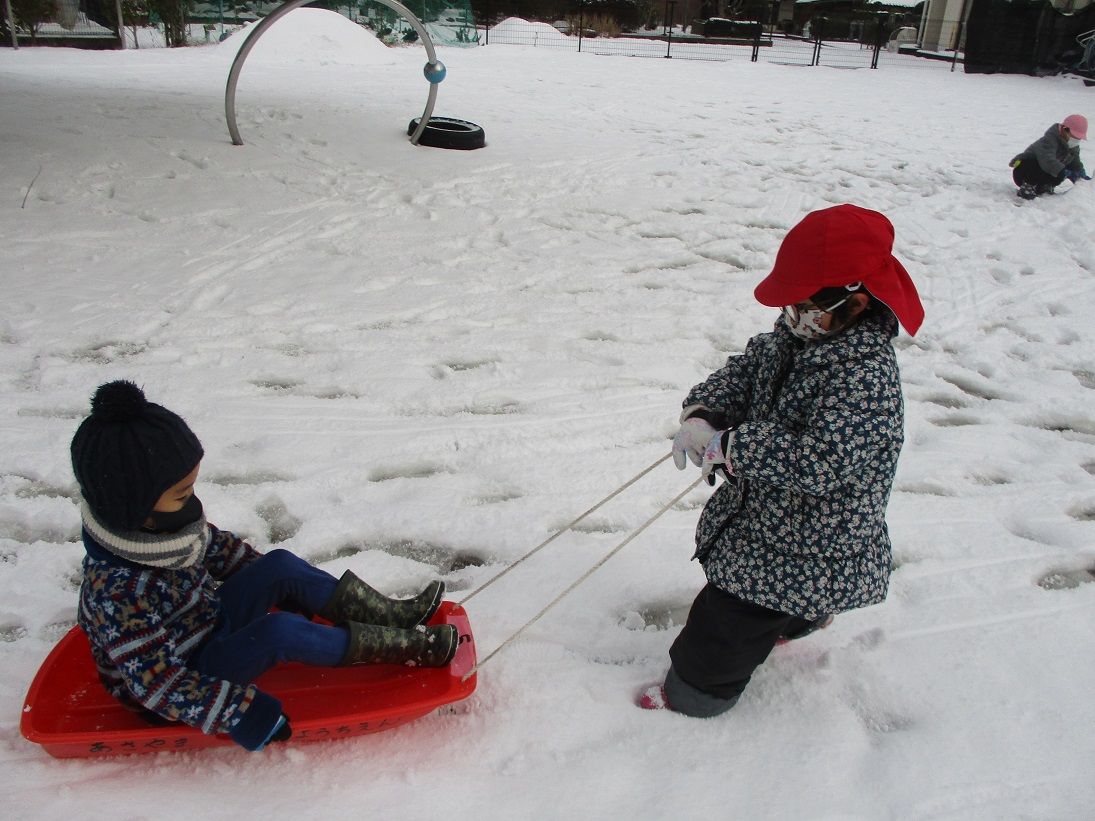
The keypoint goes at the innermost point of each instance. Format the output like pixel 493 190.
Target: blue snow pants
pixel 250 640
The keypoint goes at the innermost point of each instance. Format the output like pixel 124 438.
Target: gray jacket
pixel 1053 154
pixel 800 527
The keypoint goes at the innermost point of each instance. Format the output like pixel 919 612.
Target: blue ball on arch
pixel 434 72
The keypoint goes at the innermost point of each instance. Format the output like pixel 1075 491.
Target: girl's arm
pixel 846 428
pixel 723 398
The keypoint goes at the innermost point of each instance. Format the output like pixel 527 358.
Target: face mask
pixel 807 324
pixel 189 513
pixel 1073 142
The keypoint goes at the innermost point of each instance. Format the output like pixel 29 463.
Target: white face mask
pixel 1073 142
pixel 807 324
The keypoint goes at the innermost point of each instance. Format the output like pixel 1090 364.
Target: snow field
pixel 414 363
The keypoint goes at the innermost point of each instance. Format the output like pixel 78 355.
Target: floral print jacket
pixel 800 526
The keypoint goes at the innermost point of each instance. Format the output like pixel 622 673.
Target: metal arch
pixel 281 11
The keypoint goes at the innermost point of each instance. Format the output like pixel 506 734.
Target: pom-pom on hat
pixel 835 247
pixel 128 452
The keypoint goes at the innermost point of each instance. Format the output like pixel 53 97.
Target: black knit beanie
pixel 128 452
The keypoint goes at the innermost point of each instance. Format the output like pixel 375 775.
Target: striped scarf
pixel 167 550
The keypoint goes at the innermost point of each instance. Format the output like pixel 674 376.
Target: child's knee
pixel 281 560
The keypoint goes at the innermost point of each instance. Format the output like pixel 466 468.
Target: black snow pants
pixel 724 640
pixel 1029 172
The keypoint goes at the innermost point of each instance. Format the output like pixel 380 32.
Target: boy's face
pixel 178 494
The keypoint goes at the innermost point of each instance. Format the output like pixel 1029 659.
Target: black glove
pixel 283 733
pixel 280 732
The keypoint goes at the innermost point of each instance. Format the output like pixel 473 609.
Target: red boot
pixel 653 698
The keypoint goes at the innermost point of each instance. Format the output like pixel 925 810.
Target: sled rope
pixel 24 205
pixel 565 528
pixel 585 576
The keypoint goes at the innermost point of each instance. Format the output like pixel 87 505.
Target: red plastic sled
pixel 70 713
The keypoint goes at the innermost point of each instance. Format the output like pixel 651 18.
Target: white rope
pixel 565 528
pixel 24 205
pixel 585 576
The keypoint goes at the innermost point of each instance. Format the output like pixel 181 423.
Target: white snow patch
pixel 313 36
pixel 525 32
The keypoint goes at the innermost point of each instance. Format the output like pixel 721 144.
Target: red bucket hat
pixel 838 246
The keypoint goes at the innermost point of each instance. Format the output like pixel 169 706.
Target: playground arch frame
pixel 264 25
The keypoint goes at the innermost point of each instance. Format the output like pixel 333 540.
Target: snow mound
pixel 313 36
pixel 523 32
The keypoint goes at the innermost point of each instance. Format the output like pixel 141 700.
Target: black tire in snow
pixel 448 132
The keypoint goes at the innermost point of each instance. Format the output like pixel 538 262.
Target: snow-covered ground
pixel 404 360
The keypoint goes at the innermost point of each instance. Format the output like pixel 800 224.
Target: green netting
pixel 448 22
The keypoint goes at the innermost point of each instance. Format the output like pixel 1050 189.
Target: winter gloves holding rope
pixel 702 442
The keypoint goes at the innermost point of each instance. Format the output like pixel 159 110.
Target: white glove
pixel 714 456
pixel 692 440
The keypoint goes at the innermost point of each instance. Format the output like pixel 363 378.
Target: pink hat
pixel 1077 125
pixel 838 246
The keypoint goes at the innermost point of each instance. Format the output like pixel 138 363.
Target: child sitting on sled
pixel 805 427
pixel 1052 159
pixel 177 612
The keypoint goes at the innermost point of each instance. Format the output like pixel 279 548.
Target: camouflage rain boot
pixel 354 600
pixel 418 647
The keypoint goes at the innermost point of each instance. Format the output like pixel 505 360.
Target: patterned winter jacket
pixel 144 623
pixel 800 527
pixel 1053 153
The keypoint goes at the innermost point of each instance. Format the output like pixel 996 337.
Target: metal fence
pixel 92 23
pixel 62 23
pixel 873 49
pixel 866 42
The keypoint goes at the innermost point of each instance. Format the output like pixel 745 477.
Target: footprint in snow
pixel 1085 378
pixel 660 615
pixel 276 385
pixel 36 489
pixel 956 420
pixel 55 630
pixel 443 370
pixel 442 558
pixel 950 402
pixel 410 470
pixel 496 498
pixel 280 523
pixel 106 352
pixel 12 631
pixel 1067 579
pixel 17 529
pixel 256 478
